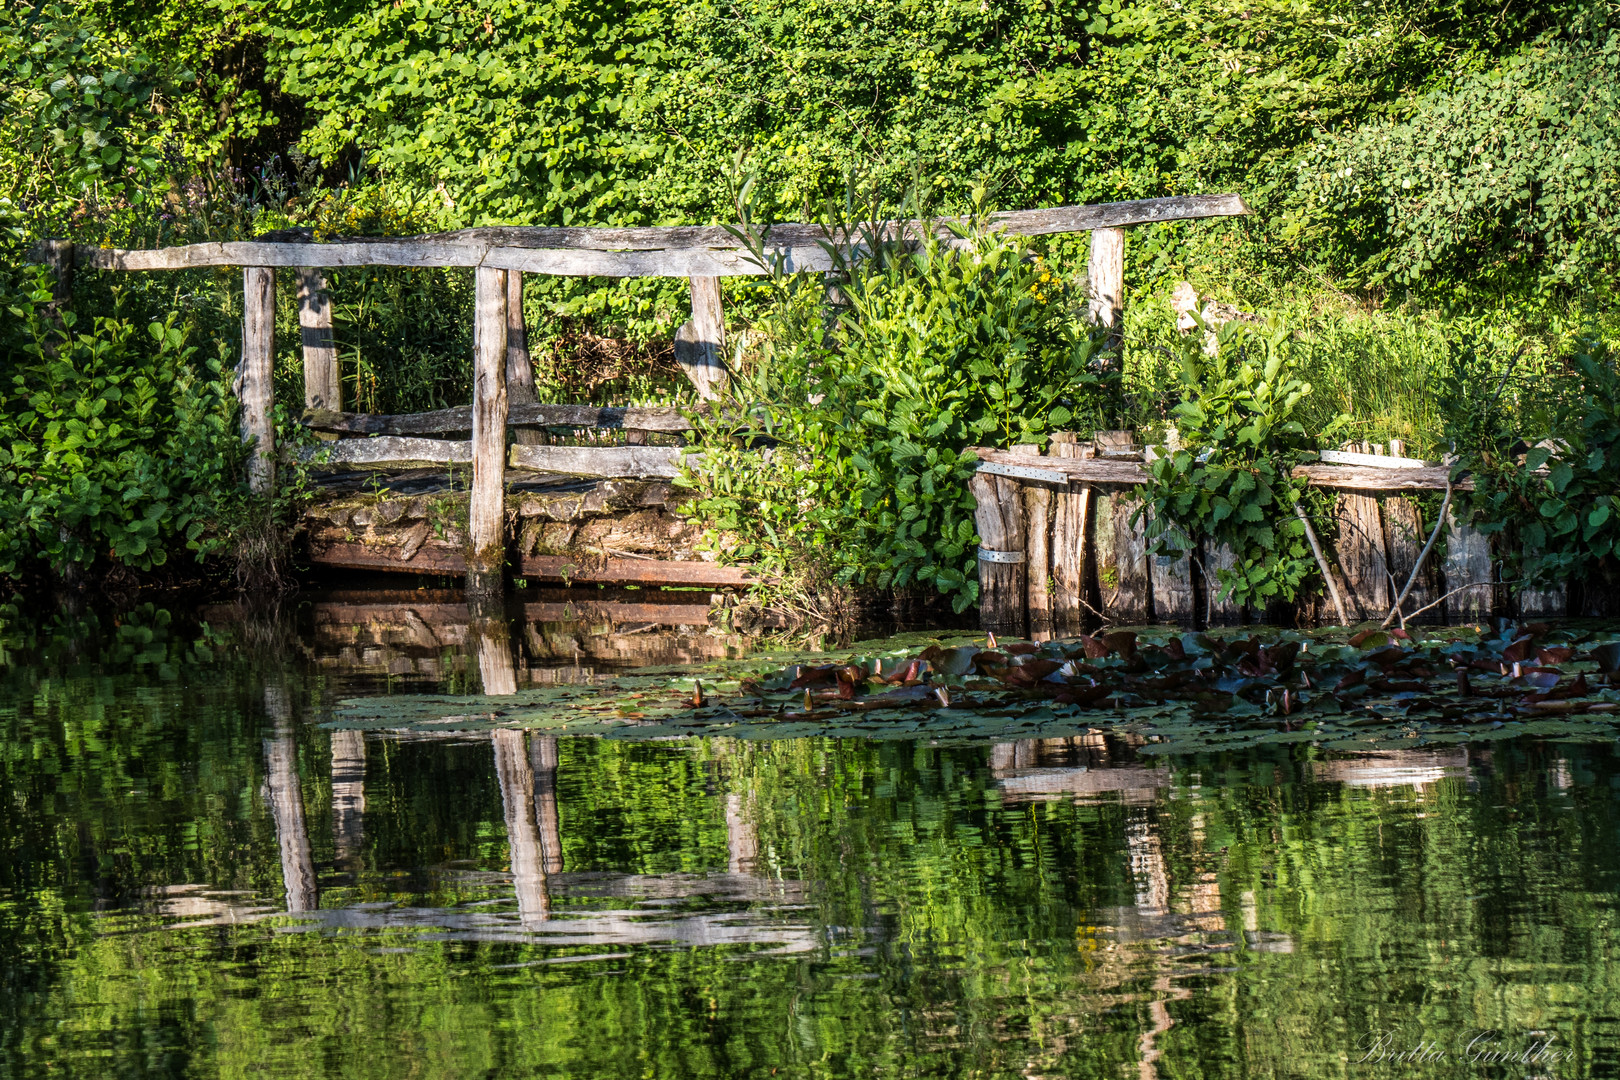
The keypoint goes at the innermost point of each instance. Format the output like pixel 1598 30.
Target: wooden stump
pixel 1361 554
pixel 254 378
pixel 1220 612
pixel 700 343
pixel 1467 566
pixel 1071 511
pixel 1171 575
pixel 1105 273
pixel 323 388
pixel 1404 537
pixel 486 510
pixel 1552 599
pixel 519 365
pixel 999 518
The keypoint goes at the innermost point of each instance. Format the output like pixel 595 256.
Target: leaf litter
pixel 1182 692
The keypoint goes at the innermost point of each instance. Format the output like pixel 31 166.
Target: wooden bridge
pixel 575 504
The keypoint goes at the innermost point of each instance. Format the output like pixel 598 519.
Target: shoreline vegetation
pixel 1431 261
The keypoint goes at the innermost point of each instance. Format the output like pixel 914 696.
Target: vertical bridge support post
pixel 322 388
pixel 254 382
pixel 519 368
pixel 700 344
pixel 1105 276
pixel 486 511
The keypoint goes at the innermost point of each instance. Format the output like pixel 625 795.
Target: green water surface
pixel 198 878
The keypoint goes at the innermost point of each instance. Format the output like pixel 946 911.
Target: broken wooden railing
pixel 503 384
pixel 1064 540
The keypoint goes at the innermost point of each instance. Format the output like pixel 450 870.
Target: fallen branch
pixel 1321 564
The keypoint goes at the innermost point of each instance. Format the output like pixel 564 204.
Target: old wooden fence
pixel 503 388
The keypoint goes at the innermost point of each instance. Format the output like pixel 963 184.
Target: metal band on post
pixel 986 555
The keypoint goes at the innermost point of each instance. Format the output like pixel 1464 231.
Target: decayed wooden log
pixel 1372 478
pixel 1000 526
pixel 1133 598
pixel 637 462
pixel 680 251
pixel 1219 611
pixel 700 343
pixel 1404 536
pixel 458 420
pixel 390 450
pixel 487 508
pixel 1071 511
pixel 519 366
pixel 1361 554
pixel 435 560
pixel 1171 576
pixel 255 383
pixel 1551 600
pixel 323 389
pixel 1467 572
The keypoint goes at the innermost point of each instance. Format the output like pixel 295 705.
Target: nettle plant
pixel 872 382
pixel 1230 482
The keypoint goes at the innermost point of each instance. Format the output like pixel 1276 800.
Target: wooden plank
pixel 1038 558
pixel 428 559
pixel 1105 280
pixel 255 384
pixel 678 251
pixel 487 505
pixel 389 450
pixel 638 462
pixel 1220 612
pixel 1071 511
pixel 1173 598
pixel 1001 584
pixel 323 389
pixel 1096 471
pixel 1361 554
pixel 458 420
pixel 1372 478
pixel 519 366
pixel 1467 567
pixel 634 571
pixel 450 612
pixel 700 343
pixel 1375 461
pixel 1131 601
pixel 1405 533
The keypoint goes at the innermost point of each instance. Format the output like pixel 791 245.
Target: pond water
pixel 200 878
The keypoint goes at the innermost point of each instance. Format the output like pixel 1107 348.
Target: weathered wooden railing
pixel 1062 538
pixel 503 387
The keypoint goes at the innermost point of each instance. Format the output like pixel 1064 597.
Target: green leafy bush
pixel 1230 482
pixel 872 383
pixel 116 443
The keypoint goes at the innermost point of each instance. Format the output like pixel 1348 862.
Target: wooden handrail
pixel 457 420
pixel 649 251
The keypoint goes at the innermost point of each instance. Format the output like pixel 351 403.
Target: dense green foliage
pixel 873 382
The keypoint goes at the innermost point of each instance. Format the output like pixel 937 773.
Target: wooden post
pixel 1218 557
pixel 323 389
pixel 58 255
pixel 999 519
pixel 519 366
pixel 254 382
pixel 486 511
pixel 1361 554
pixel 700 343
pixel 543 757
pixel 1552 600
pixel 1404 537
pixel 1173 599
pixel 1467 567
pixel 1130 562
pixel 1038 559
pixel 1070 513
pixel 1105 273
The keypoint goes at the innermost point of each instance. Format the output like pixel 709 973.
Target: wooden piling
pixel 700 343
pixel 323 387
pixel 1552 599
pixel 519 366
pixel 1404 536
pixel 1000 522
pixel 1038 559
pixel 255 386
pixel 1172 582
pixel 1361 554
pixel 486 509
pixel 1219 611
pixel 1071 513
pixel 1467 567
pixel 1132 602
pixel 1105 273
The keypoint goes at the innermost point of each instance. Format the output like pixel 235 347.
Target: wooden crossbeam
pixel 458 421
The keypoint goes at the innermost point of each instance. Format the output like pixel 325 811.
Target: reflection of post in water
pixel 543 757
pixel 491 638
pixel 522 828
pixel 742 840
pixel 287 803
pixel 1147 863
pixel 348 793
